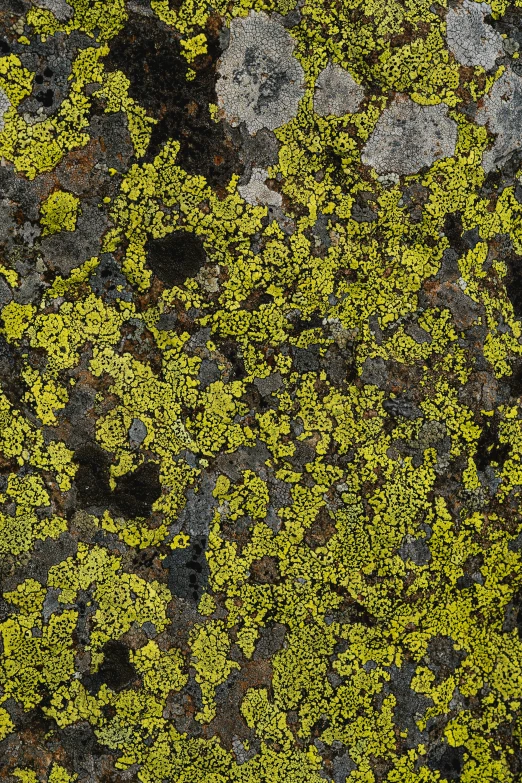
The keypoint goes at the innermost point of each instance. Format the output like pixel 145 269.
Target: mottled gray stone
pixel 470 39
pixel 29 289
pixel 268 385
pixel 374 373
pixel 259 151
pixel 69 249
pixel 51 605
pixel 464 309
pixel 240 751
pixel 408 137
pixel 260 81
pixel 208 373
pixel 419 334
pixel 416 550
pixel 271 640
pixel 197 513
pixel 199 339
pixel 337 92
pixel 5 293
pixel 166 322
pixel 342 766
pixel 108 281
pixel 402 407
pixel 410 705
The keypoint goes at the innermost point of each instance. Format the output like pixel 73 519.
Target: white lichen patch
pixel 260 81
pixel 59 8
pixel 257 193
pixel 502 112
pixel 471 40
pixel 408 137
pixel 336 92
pixel 5 104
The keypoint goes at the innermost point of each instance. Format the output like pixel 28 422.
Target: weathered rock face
pixel 260 391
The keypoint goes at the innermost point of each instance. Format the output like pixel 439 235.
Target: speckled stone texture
pixel 260 391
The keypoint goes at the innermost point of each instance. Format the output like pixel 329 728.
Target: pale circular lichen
pixel 256 191
pixel 502 112
pixel 470 39
pixel 409 137
pixel 260 81
pixel 5 105
pixel 336 92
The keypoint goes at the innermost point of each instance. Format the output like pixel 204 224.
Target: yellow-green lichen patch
pixel 59 212
pixel 260 434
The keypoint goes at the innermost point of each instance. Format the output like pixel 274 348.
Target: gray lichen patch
pixel 502 112
pixel 336 92
pixel 59 8
pixel 5 104
pixel 260 81
pixel 257 193
pixel 471 40
pixel 137 431
pixel 408 137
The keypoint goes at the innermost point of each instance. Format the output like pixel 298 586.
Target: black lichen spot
pixel 4 47
pixel 176 257
pixel 314 322
pixel 515 379
pixel 148 53
pixel 45 98
pixel 400 406
pixel 230 351
pixel 453 231
pixel 92 476
pixel 518 622
pixel 448 761
pixel 115 671
pixel 489 448
pixel 80 744
pixel 188 570
pixel 513 283
pixel 136 492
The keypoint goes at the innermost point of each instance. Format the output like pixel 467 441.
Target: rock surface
pixel 260 391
